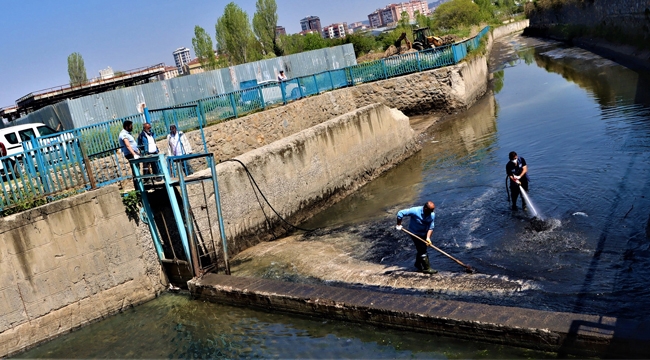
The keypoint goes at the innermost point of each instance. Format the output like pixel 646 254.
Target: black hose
pixel 250 176
pixel 507 189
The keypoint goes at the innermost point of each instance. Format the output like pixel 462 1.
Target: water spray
pixel 527 199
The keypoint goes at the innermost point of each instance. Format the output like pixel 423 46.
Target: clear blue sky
pixel 38 35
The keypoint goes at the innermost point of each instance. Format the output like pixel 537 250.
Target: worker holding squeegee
pixel 517 171
pixel 420 225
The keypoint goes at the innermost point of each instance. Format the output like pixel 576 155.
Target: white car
pixel 12 138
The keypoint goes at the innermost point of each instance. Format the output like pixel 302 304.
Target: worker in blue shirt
pixel 420 224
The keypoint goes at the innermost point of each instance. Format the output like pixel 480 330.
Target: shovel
pixel 468 269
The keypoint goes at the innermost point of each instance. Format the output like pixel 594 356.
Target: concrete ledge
pixel 564 333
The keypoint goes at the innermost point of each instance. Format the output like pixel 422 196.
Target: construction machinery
pixel 423 39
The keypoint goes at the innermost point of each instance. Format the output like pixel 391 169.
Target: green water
pixel 175 326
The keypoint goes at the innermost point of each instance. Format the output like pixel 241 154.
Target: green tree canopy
pixel 235 37
pixel 203 49
pixel 314 42
pixel 76 69
pixel 265 21
pixel 405 19
pixel 457 13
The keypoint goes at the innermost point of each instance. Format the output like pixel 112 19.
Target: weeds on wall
pixel 132 202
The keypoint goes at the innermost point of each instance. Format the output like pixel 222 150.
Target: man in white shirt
pixel 178 144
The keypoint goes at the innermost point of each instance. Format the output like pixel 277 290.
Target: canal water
pixel 583 125
pixel 177 327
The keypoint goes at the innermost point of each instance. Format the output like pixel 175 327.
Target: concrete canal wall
pixel 69 263
pixel 305 172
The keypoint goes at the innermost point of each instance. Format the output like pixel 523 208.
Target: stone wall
pixel 305 172
pixel 631 16
pixel 69 263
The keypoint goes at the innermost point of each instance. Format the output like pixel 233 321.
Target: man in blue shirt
pixel 517 172
pixel 420 224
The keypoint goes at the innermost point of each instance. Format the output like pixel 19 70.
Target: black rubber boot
pixel 418 263
pixel 426 267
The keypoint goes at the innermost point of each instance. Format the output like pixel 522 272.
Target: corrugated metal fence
pixel 119 103
pixel 90 154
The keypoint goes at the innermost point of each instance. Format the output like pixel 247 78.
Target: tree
pixel 76 69
pixel 422 20
pixel 265 21
pixel 234 35
pixel 363 44
pixel 314 41
pixel 456 13
pixel 405 19
pixel 203 49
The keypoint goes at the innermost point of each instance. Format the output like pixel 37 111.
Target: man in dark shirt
pixel 517 172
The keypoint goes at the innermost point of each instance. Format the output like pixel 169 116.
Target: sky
pixel 37 36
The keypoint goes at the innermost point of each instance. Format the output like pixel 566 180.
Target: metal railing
pixel 89 156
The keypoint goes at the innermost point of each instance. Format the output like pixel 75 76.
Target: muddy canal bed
pixel 583 125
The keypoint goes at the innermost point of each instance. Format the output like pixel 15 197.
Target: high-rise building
pixel 335 31
pixel 181 57
pixel 311 23
pixel 280 30
pixel 392 13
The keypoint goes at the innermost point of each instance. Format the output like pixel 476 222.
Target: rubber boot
pixel 426 267
pixel 418 263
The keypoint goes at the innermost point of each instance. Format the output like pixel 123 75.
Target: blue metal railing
pixel 90 156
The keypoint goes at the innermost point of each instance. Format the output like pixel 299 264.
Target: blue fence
pixel 89 156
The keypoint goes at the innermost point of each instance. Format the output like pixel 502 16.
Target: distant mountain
pixel 435 4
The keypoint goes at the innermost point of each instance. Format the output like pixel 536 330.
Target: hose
pixel 250 176
pixel 507 189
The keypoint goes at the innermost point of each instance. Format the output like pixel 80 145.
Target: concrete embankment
pixel 69 263
pixel 305 172
pixel 564 333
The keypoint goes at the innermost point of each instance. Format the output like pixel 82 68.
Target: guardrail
pixel 88 157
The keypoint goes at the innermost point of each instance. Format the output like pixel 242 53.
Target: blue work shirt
pixel 418 225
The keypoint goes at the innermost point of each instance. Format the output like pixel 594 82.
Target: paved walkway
pixel 564 333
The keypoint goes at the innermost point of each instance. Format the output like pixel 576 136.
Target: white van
pixel 11 138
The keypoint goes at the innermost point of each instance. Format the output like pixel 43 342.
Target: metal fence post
pixel 232 103
pixel 202 113
pixel 87 165
pixel 147 116
pixel 261 97
pixel 383 66
pixel 300 88
pixel 316 84
pixel 417 57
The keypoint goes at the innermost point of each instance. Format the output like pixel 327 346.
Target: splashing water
pixel 530 203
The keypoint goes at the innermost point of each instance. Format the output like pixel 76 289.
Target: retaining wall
pixel 631 15
pixel 69 263
pixel 305 172
pixel 445 90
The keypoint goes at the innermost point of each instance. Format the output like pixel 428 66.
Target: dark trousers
pixel 514 191
pixel 420 246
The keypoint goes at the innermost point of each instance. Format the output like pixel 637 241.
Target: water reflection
pixel 174 326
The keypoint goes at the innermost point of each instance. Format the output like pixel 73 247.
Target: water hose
pixel 468 268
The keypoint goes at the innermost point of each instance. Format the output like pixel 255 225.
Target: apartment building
pixel 181 57
pixel 392 13
pixel 311 23
pixel 335 31
pixel 280 30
